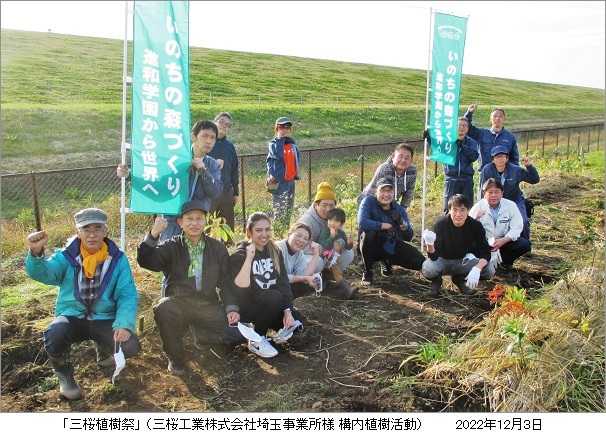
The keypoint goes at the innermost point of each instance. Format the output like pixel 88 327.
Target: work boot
pixel 68 387
pixel 436 287
pixel 386 269
pixel 337 274
pixel 459 282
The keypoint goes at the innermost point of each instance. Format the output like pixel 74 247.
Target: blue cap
pixel 383 182
pixel 500 149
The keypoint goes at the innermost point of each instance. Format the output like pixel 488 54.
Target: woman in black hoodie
pixel 261 280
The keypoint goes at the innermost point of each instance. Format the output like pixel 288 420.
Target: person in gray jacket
pixel 316 218
pixel 400 169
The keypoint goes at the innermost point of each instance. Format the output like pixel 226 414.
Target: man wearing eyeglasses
pixel 225 153
pixel 194 266
pixel 97 297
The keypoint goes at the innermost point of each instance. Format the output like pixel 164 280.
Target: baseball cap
pixel 383 182
pixel 283 121
pixel 499 150
pixel 90 216
pixel 193 205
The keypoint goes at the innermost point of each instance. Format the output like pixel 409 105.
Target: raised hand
pixel 160 225
pixel 36 242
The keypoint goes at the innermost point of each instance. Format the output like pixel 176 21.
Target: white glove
pixel 429 237
pixel 473 277
pixel 495 259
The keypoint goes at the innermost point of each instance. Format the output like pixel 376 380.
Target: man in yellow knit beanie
pixel 316 218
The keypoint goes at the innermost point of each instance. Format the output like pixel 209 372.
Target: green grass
pixel 61 96
pixel 22 293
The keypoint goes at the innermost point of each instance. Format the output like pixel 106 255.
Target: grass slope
pixel 62 95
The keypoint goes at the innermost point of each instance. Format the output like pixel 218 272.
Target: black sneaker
pixel 175 368
pixel 436 287
pixel 386 269
pixel 366 278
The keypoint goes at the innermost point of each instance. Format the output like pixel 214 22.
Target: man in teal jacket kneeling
pixel 97 296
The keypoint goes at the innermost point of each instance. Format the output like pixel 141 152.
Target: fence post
pixel 435 169
pixel 35 202
pixel 243 193
pixel 309 177
pixel 597 147
pixel 588 138
pixel 543 146
pixel 527 140
pixel 578 143
pixel 362 169
pixel 557 141
pixel 568 145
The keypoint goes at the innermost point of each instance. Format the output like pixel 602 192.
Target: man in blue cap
pixel 510 176
pixel 195 266
pixel 97 297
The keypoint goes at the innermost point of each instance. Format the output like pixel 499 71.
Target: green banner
pixel 446 72
pixel 161 147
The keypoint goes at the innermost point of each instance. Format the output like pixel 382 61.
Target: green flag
pixel 446 72
pixel 161 148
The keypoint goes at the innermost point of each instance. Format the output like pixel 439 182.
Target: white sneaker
pixel 262 348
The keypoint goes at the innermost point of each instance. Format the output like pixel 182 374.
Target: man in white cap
pixel 97 296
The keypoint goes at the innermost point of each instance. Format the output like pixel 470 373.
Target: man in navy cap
pixel 510 176
pixel 194 266
pixel 97 296
pixel 384 232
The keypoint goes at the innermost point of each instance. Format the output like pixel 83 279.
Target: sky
pixel 553 42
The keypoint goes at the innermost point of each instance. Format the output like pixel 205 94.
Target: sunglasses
pixel 285 126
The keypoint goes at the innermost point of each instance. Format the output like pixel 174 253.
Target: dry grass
pixel 555 364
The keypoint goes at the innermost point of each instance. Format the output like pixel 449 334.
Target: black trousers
pixel 224 206
pixel 175 314
pixel 67 330
pixel 514 250
pixel 264 310
pixel 372 251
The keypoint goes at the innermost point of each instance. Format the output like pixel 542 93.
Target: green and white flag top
pixel 161 148
pixel 446 72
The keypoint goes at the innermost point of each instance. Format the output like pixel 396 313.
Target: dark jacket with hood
pixel 263 275
pixel 371 215
pixel 172 258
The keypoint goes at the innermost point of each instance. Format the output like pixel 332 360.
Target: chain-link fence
pixel 59 193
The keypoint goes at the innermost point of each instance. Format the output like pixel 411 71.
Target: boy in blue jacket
pixel 384 230
pixel 97 295
pixel 283 162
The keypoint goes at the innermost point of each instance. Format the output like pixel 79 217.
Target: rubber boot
pixel 459 282
pixel 68 387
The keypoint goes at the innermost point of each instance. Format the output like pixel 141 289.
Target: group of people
pixel 222 297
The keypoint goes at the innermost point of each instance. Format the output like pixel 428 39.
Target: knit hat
pixel 325 192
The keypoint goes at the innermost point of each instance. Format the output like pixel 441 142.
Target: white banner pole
pixel 123 144
pixel 426 125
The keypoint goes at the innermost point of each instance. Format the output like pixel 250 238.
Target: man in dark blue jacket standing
pixel 224 152
pixel 458 178
pixel 384 230
pixel 496 135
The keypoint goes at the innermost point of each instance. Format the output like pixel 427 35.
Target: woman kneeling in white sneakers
pixel 261 280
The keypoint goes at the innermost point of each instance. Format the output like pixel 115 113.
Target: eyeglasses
pixel 99 229
pixel 301 237
pixel 284 126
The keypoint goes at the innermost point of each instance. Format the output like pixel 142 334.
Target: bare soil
pixel 346 358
